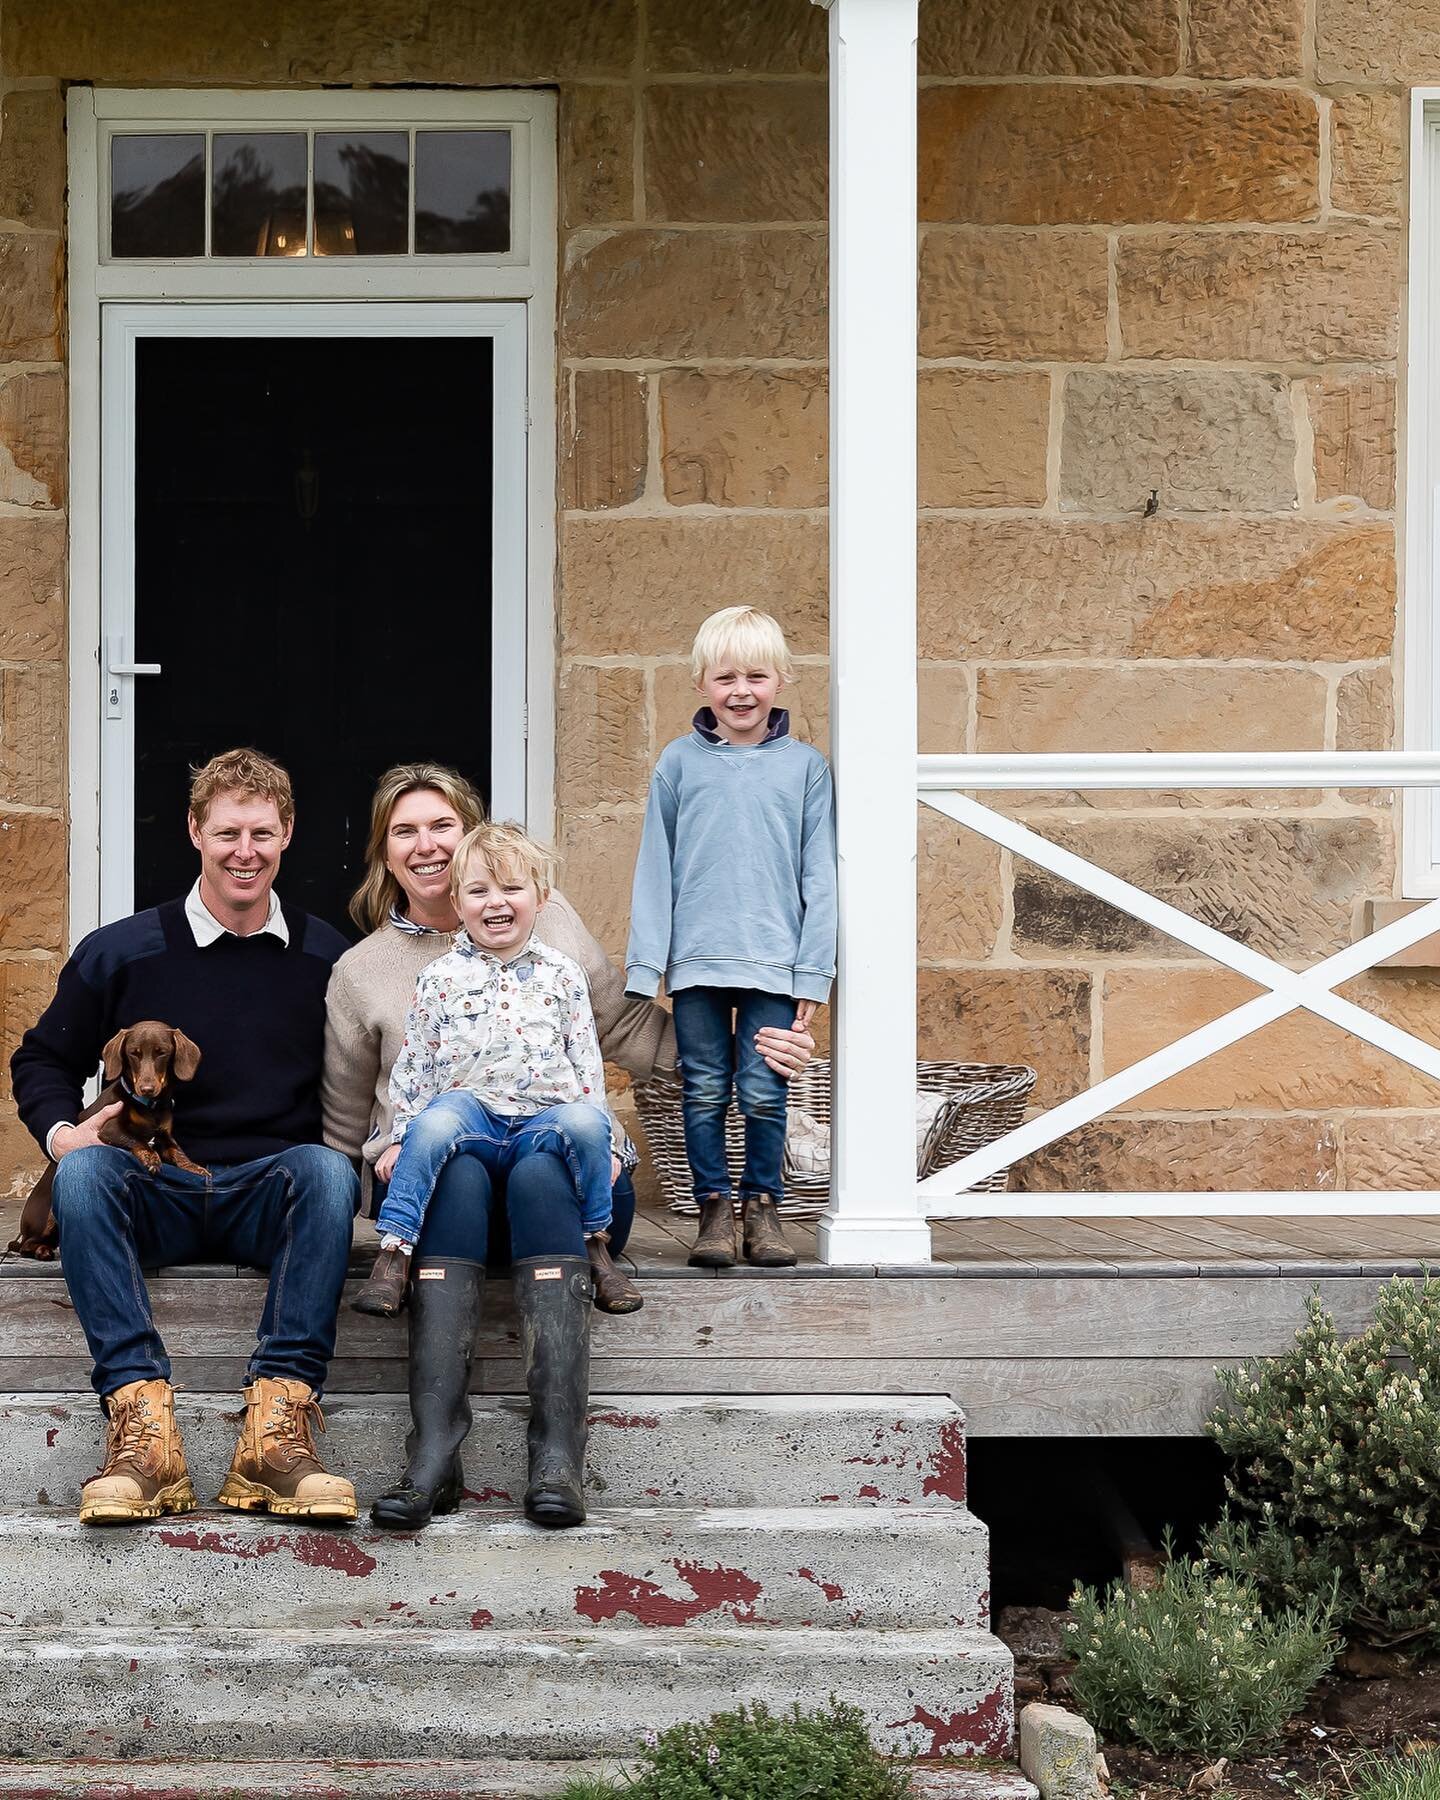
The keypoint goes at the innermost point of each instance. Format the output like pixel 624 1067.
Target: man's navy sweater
pixel 255 1007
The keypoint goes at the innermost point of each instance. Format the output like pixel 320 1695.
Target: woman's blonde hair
pixel 371 902
pixel 743 635
pixel 503 846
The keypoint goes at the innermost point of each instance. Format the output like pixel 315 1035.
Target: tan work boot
pixel 276 1468
pixel 144 1474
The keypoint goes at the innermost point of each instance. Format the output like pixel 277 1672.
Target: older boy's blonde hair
pixel 742 635
pixel 503 847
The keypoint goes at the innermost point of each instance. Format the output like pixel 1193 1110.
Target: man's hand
pixel 787 1052
pixel 385 1166
pixel 84 1135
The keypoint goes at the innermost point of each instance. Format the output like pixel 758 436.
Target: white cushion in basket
pixel 807 1139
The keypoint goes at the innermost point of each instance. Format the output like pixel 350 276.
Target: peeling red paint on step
pixel 50 1437
pixel 317 1550
pixel 479 1619
pixel 830 1589
pixel 326 1550
pixel 985 1729
pixel 626 1421
pixel 714 1589
pixel 481 1495
pixel 947 1478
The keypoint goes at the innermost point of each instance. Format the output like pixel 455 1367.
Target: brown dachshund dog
pixel 140 1063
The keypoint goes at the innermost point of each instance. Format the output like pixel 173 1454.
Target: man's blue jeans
pixel 715 1033
pixel 457 1121
pixel 291 1214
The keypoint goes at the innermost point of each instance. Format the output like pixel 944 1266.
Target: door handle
pixel 115 667
pixel 134 669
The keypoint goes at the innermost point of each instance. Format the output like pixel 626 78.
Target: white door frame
pixel 510 296
pixel 122 328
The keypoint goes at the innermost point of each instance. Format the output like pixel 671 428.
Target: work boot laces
pixel 136 1440
pixel 287 1432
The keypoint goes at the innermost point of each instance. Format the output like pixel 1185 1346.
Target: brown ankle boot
pixel 765 1244
pixel 144 1474
pixel 386 1286
pixel 614 1292
pixel 276 1468
pixel 716 1245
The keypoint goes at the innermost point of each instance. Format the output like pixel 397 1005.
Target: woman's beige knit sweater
pixel 370 991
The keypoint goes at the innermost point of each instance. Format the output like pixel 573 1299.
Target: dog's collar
pixel 137 1099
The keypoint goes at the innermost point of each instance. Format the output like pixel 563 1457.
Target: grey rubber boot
pixel 552 1297
pixel 445 1305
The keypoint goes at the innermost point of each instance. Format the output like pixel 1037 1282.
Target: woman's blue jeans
pixel 715 1033
pixel 538 1212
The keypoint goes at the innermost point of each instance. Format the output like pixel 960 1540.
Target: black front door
pixel 313 575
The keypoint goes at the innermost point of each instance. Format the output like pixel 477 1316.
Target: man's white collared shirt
pixel 207 927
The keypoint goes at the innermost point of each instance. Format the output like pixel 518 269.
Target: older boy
pixel 734 907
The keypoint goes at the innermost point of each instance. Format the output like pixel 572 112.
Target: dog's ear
pixel 113 1055
pixel 186 1059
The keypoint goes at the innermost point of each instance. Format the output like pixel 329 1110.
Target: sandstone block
pixel 1398 1151
pixel 737 151
pixel 1289 888
pixel 597 154
pixel 1157 1156
pixel 1236 39
pixel 32 158
pixel 1013 296
pixel 1261 296
pixel 960 898
pixel 474 42
pixel 1269 588
pixel 32 735
pixel 1040 37
pixel 691 294
pixel 32 588
pixel 744 437
pixel 1365 720
pixel 21 1159
pixel 945 695
pixel 1353 419
pixel 1393 43
pixel 1057 1753
pixel 597 852
pixel 807 700
pixel 1008 155
pixel 1297 1063
pixel 32 439
pixel 1035 1016
pixel 641 586
pixel 1213 440
pixel 765 37
pixel 602 742
pixel 30 285
pixel 1367 153
pixel 607 441
pixel 983 437
pixel 32 882
pixel 26 989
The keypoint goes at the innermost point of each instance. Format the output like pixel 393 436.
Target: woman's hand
pixel 787 1052
pixel 385 1167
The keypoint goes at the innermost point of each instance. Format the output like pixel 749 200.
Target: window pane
pixel 157 195
pixel 362 182
pixel 462 192
pixel 257 194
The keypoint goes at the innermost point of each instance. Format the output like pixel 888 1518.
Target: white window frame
pixel 1419 493
pixel 522 279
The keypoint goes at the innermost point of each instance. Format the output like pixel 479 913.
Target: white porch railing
pixel 944 782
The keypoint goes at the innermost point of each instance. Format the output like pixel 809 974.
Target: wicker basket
pixel 983 1102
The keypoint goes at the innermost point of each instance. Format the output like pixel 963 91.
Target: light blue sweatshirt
pixel 735 880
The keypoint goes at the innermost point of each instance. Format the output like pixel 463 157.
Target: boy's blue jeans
pixel 291 1214
pixel 457 1121
pixel 715 1034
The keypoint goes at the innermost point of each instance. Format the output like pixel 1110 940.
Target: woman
pixel 419 814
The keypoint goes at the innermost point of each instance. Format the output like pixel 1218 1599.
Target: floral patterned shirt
pixel 519 1035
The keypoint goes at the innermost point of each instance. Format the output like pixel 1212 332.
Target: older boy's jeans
pixel 457 1121
pixel 715 1033
pixel 291 1214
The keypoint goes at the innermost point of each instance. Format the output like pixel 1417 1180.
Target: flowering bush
pixel 1193 1663
pixel 1336 1478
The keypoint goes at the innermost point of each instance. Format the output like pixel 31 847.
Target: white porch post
pixel 873 1214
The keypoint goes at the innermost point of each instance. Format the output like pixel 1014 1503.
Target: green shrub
pixel 590 1787
pixel 753 1754
pixel 1397 1777
pixel 1193 1663
pixel 1336 1468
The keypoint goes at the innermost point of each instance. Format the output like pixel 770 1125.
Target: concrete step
pixel 663 1567
pixel 393 1693
pixel 768 1450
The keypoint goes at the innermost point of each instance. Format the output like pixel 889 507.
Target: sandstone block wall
pixel 1161 255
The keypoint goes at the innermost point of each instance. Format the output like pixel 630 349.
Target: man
pixel 244 977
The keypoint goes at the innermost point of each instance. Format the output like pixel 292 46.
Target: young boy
pixel 734 905
pixel 500 1058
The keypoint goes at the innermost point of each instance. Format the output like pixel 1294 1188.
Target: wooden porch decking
pixel 1046 1328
